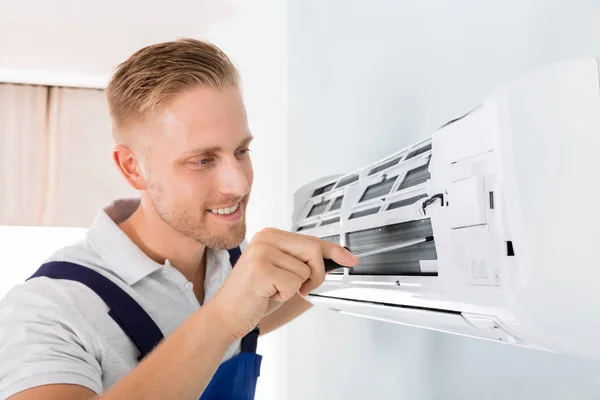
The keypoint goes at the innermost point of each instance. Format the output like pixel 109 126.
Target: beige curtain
pixel 70 172
pixel 23 152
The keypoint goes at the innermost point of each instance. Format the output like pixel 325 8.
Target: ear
pixel 129 166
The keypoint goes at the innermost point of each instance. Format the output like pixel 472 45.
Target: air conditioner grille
pixel 404 261
pixel 364 213
pixel 419 151
pixel 306 227
pixel 330 221
pixel 378 189
pixel 389 235
pixel 347 181
pixel 385 165
pixel 405 202
pixel 337 204
pixel 323 189
pixel 415 177
pixel 318 209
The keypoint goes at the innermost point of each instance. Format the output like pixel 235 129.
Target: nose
pixel 232 178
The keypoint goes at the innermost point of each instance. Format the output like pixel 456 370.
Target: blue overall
pixel 235 379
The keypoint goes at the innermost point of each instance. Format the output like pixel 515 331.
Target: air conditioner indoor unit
pixel 487 228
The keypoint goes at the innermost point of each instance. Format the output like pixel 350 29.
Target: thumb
pixel 339 254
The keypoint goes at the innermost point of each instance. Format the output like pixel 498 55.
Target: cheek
pixel 193 187
pixel 249 172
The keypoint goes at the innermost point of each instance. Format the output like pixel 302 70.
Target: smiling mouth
pixel 226 210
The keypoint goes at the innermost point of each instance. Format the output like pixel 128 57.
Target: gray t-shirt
pixel 59 332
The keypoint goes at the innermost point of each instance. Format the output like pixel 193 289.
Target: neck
pixel 161 242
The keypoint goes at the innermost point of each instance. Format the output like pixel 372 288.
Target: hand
pixel 272 269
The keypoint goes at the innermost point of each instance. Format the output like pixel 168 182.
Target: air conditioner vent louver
pixel 337 204
pixel 347 181
pixel 384 236
pixel 331 221
pixel 334 239
pixel 318 209
pixel 306 227
pixel 404 261
pixel 419 151
pixel 323 189
pixel 406 202
pixel 415 177
pixel 385 165
pixel 378 189
pixel 364 213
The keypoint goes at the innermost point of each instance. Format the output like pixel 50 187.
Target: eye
pixel 242 152
pixel 204 161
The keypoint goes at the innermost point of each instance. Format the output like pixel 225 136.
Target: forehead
pixel 201 116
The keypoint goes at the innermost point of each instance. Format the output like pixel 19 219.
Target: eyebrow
pixel 216 149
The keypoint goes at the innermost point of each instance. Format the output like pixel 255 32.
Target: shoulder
pixel 41 298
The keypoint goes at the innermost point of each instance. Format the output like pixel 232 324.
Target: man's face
pixel 198 168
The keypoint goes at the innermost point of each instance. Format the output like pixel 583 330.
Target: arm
pixel 276 267
pixel 288 311
pixel 184 363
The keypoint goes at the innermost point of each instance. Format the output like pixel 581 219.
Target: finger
pixel 338 254
pixel 286 284
pixel 289 263
pixel 310 250
pixel 306 249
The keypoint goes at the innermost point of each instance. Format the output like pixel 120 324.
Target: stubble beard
pixel 194 224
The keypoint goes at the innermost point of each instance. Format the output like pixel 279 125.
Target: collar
pixel 117 250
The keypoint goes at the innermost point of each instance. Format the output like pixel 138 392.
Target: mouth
pixel 225 210
pixel 231 213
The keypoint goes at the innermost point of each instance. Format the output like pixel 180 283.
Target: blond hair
pixel 154 74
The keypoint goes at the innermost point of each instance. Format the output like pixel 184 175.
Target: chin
pixel 224 239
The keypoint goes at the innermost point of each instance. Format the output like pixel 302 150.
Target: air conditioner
pixel 487 228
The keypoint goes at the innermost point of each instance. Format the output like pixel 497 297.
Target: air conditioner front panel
pixel 491 218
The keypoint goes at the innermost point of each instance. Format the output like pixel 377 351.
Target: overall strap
pixel 126 312
pixel 250 341
pixel 234 255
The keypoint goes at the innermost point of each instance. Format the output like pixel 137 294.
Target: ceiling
pixel 73 42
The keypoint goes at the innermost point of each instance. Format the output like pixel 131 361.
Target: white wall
pixel 24 249
pixel 75 43
pixel 366 79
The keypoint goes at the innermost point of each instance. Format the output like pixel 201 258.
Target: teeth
pixel 225 211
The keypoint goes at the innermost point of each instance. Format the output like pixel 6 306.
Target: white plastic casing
pixel 516 258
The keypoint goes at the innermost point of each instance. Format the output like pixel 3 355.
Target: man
pixel 148 305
